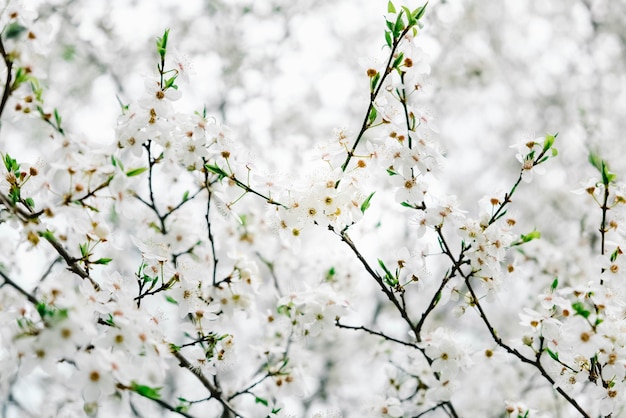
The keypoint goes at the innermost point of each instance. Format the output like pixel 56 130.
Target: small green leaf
pixel 146 391
pixel 366 204
pixel 531 236
pixel 388 39
pixel 136 171
pixel 548 142
pixel 374 81
pixel 398 60
pixel 11 165
pixel 555 152
pixel 162 44
pixel 579 307
pixel 419 12
pixel 57 121
pixel 47 234
pixel 30 202
pixel 555 356
pixel 555 283
pixel 330 274
pixel 390 7
pixel 42 309
pixel 216 170
pixel 372 116
pixel 171 300
pixel 13 30
pixel 103 261
pixel 261 401
pixel 185 196
pixel 84 249
pixel 411 20
pixel 169 83
pixel 399 26
pixel 595 161
pixel 21 76
pixel 607 176
pixel 389 278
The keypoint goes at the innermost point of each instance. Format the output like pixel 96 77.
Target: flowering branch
pixel 71 262
pixel 7 84
pixel 401 309
pixel 215 392
pixel 379 83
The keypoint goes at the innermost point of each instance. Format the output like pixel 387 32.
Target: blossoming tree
pixel 169 270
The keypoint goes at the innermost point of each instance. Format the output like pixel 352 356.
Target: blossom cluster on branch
pixel 179 277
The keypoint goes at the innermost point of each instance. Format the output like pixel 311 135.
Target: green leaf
pixel 42 309
pixel 555 283
pixel 57 120
pixel 555 356
pixel 261 401
pixel 84 249
pixel 366 204
pixel 419 12
pixel 399 26
pixel 374 81
pixel 411 20
pixel 30 202
pixel 390 7
pixel 595 161
pixel 136 171
pixel 579 307
pixel 103 261
pixel 162 44
pixel 47 234
pixel 531 236
pixel 11 165
pixel 13 30
pixel 399 59
pixel 607 176
pixel 169 83
pixel 389 278
pixel 146 391
pixel 388 39
pixel 372 116
pixel 555 152
pixel 407 205
pixel 216 170
pixel 391 172
pixel 21 76
pixel 548 142
pixel 185 196
pixel 171 300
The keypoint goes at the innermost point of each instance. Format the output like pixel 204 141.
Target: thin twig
pixel 17 287
pixel 380 334
pixel 215 392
